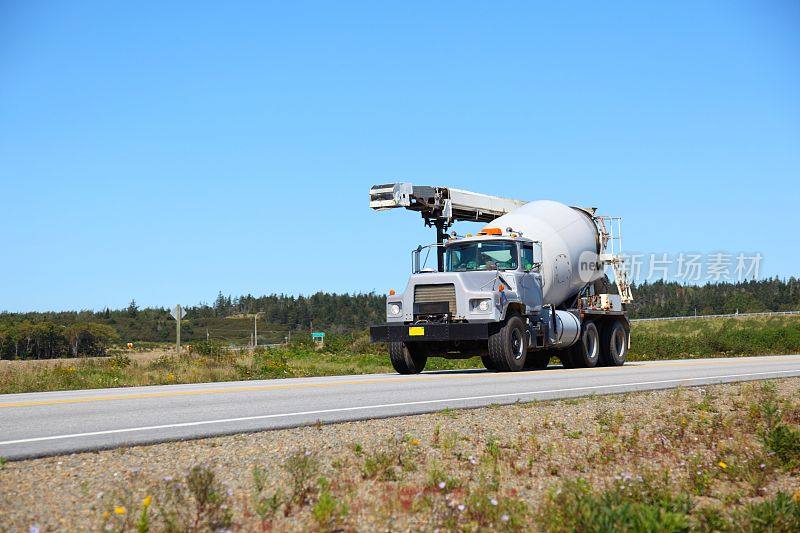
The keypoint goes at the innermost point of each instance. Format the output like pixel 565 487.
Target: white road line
pixel 387 405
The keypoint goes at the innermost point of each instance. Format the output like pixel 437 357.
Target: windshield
pixel 481 255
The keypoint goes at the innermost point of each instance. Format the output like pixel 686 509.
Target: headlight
pixel 482 305
pixel 394 309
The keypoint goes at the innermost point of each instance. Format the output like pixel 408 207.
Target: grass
pixel 353 354
pixel 204 364
pixel 715 337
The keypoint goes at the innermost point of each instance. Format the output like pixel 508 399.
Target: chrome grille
pixel 436 293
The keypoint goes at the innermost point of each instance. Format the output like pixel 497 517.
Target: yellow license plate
pixel 416 331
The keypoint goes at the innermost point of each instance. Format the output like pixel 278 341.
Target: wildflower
pixel 147 501
pixel 762 466
pixel 472 460
pixel 170 377
pixel 493 501
pixel 414 442
pixel 33 529
pixel 442 485
pixel 504 518
pixel 106 515
pixel 462 507
pixel 722 465
pixel 120 510
pixel 307 454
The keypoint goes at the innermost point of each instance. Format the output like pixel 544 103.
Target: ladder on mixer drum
pixel 611 244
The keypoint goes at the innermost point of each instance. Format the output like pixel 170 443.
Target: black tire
pixel 537 360
pixel 509 346
pixel 614 344
pixel 408 358
pixel 586 352
pixel 487 362
pixel 565 356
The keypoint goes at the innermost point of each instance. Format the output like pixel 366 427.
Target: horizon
pixel 234 298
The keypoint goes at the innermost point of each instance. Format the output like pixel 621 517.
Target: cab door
pixel 530 285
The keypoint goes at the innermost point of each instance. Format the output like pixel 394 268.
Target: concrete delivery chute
pixel 440 207
pixel 530 286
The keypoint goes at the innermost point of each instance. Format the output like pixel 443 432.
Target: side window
pixel 527 256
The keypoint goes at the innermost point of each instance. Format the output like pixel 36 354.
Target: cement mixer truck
pixel 529 287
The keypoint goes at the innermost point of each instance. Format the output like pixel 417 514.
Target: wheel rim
pixel 591 346
pixel 619 343
pixel 516 343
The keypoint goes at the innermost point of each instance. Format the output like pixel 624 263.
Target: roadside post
pixel 178 313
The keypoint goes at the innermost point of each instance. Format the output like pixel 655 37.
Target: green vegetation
pixel 196 503
pixel 352 353
pixel 45 340
pixel 715 337
pixel 210 362
pixel 673 299
pixel 627 504
pixel 648 504
pixel 230 320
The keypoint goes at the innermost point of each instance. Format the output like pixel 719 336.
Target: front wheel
pixel 487 362
pixel 408 358
pixel 508 347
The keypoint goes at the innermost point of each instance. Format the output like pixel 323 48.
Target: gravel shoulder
pixel 488 468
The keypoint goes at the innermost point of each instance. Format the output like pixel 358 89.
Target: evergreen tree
pixel 133 309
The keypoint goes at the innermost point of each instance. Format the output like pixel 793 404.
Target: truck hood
pixel 471 281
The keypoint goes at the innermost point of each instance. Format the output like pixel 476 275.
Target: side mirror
pixel 415 267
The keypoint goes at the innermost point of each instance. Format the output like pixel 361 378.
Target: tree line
pixel 661 298
pixel 58 334
pixel 46 339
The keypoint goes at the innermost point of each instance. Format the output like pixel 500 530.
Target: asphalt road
pixel 50 423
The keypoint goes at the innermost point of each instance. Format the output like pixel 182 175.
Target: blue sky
pixel 166 152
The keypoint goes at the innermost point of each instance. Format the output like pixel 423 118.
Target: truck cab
pixel 484 278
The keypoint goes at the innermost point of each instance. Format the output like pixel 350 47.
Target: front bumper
pixel 459 331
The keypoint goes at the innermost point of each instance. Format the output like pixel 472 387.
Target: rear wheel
pixel 537 360
pixel 508 347
pixel 614 344
pixel 586 352
pixel 408 358
pixel 565 357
